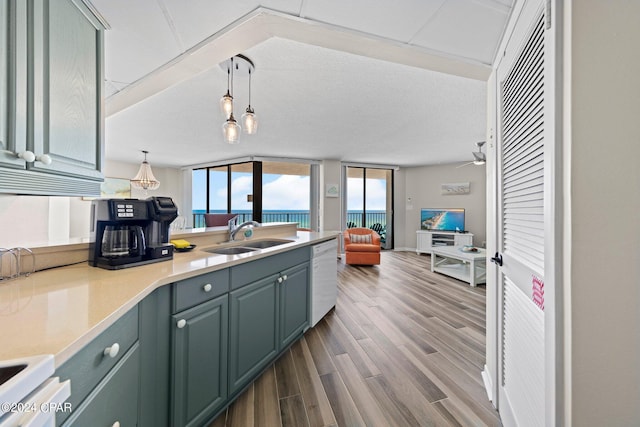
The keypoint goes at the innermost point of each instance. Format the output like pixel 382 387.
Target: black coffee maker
pixel 130 232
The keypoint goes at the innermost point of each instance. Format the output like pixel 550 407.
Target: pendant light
pixel 249 119
pixel 226 102
pixel 144 179
pixel 231 129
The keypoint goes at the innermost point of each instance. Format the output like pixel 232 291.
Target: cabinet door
pixel 115 399
pixel 253 330
pixel 67 88
pixel 199 384
pixel 294 303
pixel 13 82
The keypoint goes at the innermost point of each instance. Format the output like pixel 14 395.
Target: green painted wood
pixel 191 292
pixel 155 350
pixel 255 270
pixel 13 82
pixel 115 399
pixel 51 73
pixel 87 367
pixel 294 303
pixel 199 379
pixel 253 330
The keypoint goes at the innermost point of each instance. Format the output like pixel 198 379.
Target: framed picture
pixel 115 188
pixel 332 190
pixel 455 188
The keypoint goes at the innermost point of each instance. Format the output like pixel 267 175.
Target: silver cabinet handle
pixel 280 280
pixel 207 287
pixel 112 351
pixel 116 424
pixel 181 323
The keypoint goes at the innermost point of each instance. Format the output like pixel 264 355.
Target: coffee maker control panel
pixel 128 209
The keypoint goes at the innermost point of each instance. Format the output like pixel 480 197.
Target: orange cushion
pixel 361 247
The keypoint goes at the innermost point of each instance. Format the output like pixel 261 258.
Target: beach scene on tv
pixel 442 219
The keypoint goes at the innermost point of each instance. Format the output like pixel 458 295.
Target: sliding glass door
pixel 369 201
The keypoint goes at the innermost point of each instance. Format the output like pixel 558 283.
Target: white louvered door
pixel 521 224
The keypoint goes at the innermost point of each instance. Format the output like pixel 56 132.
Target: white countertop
pixel 58 311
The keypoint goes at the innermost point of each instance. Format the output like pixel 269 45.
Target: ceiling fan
pixel 478 156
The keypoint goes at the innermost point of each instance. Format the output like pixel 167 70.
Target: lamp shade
pixel 250 121
pixel 231 130
pixel 144 179
pixel 226 105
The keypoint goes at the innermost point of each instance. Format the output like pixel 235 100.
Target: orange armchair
pixel 362 246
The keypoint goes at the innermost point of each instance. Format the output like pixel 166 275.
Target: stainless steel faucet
pixel 234 228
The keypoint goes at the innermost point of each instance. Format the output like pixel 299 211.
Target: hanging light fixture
pixel 226 102
pixel 144 179
pixel 249 119
pixel 231 129
pixel 239 64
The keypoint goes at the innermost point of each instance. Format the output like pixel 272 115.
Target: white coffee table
pixel 470 267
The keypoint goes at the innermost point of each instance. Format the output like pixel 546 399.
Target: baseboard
pixel 404 249
pixel 488 384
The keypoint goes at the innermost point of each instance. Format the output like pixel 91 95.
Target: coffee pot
pixel 123 241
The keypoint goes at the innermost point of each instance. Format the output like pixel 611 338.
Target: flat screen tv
pixel 442 219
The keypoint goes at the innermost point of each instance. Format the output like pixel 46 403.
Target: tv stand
pixel 427 239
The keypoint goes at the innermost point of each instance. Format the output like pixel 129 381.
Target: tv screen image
pixel 442 219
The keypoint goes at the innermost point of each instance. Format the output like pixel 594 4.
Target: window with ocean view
pixel 369 201
pixel 283 194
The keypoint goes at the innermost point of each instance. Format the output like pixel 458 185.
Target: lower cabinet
pixel 294 303
pixel 199 364
pixel 266 316
pixel 114 402
pixel 253 338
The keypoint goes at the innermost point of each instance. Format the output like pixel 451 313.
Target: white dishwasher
pixel 324 279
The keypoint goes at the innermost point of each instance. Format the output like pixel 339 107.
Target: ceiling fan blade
pixel 466 164
pixel 479 156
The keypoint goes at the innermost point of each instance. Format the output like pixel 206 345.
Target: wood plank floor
pixel 404 347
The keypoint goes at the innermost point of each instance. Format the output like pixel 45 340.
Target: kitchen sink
pixel 233 250
pixel 245 246
pixel 262 244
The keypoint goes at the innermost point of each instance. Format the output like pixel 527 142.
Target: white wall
pixel 32 221
pixel 423 190
pixel 602 248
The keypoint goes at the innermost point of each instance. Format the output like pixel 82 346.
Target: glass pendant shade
pixel 144 179
pixel 231 130
pixel 250 121
pixel 226 104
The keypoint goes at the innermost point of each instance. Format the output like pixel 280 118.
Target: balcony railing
pixel 354 218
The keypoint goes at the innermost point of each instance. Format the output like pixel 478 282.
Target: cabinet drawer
pixel 190 292
pixel 252 271
pixel 90 365
pixel 115 399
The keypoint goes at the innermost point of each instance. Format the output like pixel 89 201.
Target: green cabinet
pixel 13 83
pixel 253 335
pixel 51 98
pixel 115 400
pixel 294 303
pixel 269 310
pixel 199 378
pixel 113 356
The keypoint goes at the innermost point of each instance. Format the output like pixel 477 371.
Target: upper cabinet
pixel 52 111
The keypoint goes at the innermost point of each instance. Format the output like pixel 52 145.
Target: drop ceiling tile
pixel 139 40
pixel 466 28
pixel 196 20
pixel 398 20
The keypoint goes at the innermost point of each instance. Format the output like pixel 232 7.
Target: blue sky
pixel 280 192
